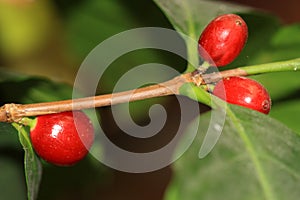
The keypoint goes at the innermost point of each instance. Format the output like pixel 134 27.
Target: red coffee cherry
pixel 244 92
pixel 56 139
pixel 223 39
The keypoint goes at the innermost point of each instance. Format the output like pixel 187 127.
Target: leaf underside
pixel 256 157
pixel 32 164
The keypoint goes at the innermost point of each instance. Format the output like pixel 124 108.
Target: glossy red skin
pixel 55 138
pixel 223 39
pixel 244 92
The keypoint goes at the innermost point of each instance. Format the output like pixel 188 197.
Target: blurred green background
pixel 42 44
pixel 45 41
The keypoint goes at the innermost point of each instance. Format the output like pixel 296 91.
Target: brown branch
pixel 216 76
pixel 15 112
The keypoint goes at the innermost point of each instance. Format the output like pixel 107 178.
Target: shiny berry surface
pixel 57 139
pixel 223 39
pixel 244 92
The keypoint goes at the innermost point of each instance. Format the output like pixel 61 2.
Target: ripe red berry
pixel 57 139
pixel 244 92
pixel 223 39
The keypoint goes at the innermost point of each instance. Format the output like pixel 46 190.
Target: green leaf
pixel 32 165
pixel 288 113
pixel 191 16
pixel 256 157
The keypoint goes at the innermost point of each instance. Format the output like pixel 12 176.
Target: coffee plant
pixel 230 94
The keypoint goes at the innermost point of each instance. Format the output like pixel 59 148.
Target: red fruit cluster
pixel 223 39
pixel 244 92
pixel 57 139
pixel 220 43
